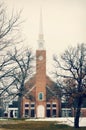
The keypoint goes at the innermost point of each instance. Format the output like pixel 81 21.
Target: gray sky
pixel 64 23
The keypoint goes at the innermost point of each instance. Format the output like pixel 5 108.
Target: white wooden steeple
pixel 41 35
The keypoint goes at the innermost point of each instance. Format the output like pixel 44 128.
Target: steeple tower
pixel 41 74
pixel 41 35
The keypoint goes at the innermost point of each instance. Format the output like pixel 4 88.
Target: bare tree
pixel 72 67
pixel 9 28
pixel 21 66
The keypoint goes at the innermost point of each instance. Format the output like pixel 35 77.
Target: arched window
pixel 40 96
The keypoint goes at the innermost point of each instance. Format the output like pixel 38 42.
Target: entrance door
pixel 40 111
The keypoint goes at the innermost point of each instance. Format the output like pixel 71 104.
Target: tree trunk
pixel 20 96
pixel 76 121
pixel 77 113
pixel 19 106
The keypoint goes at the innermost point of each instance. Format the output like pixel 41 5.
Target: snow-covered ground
pixel 68 121
pixel 61 120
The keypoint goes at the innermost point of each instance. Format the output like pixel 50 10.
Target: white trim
pixel 12 108
pixel 66 109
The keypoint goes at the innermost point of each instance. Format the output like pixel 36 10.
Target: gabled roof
pixel 52 90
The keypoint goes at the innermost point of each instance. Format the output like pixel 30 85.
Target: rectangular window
pixel 53 105
pixel 32 105
pixel 26 112
pixel 27 105
pixel 53 113
pixel 32 113
pixel 48 105
pixel 48 113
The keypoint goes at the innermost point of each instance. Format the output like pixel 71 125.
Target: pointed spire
pixel 41 23
pixel 41 35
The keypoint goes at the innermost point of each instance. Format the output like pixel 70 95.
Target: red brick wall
pixel 40 74
pixel 83 112
pixel 41 77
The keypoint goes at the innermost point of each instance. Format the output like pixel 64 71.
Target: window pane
pixel 26 105
pixel 26 112
pixel 54 113
pixel 40 96
pixel 54 105
pixel 48 105
pixel 32 105
pixel 32 113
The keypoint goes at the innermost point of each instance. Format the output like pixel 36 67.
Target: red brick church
pixel 42 96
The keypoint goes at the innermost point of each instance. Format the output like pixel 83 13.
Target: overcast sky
pixel 64 23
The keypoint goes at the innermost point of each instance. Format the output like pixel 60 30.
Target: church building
pixel 42 95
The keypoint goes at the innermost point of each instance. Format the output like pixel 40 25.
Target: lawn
pixel 34 125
